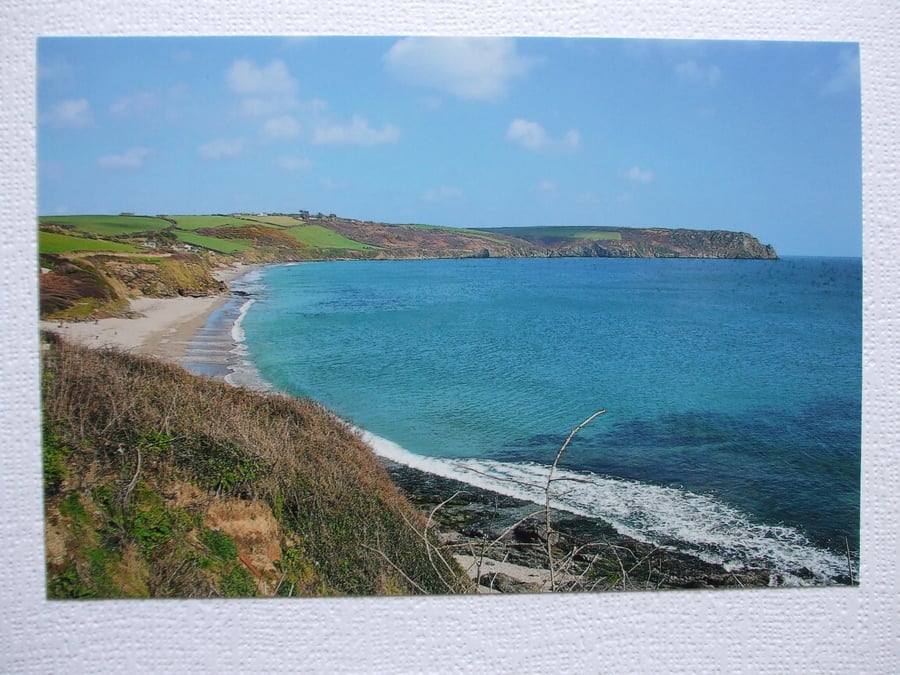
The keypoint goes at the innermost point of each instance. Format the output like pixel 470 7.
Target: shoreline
pixel 179 330
pixel 163 328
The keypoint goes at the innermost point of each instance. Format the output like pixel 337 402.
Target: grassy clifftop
pixel 159 483
pixel 98 284
pixel 120 257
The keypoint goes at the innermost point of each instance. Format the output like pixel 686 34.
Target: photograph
pixel 348 315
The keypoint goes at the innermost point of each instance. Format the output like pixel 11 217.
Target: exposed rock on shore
pixel 486 528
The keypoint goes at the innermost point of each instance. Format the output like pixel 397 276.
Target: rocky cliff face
pixel 77 286
pixel 404 241
pixel 660 243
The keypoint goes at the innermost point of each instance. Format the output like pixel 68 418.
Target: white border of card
pixel 791 630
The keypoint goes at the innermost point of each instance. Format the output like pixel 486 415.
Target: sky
pixel 759 137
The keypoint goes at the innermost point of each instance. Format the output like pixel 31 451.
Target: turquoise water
pixel 732 389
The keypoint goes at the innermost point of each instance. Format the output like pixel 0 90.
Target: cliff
pixel 159 483
pixel 93 265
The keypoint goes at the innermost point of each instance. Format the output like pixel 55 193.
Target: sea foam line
pixel 244 372
pixel 696 524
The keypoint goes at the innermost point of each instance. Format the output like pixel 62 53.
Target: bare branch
pixel 391 563
pixel 547 493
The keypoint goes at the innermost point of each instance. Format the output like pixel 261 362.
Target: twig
pixel 621 566
pixel 172 576
pixel 504 479
pixel 134 479
pixel 428 547
pixel 391 563
pixel 849 560
pixel 280 581
pixel 550 479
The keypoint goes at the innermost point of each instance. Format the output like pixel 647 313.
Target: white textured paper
pixel 784 630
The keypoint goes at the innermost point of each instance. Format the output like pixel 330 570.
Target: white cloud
pixel 846 76
pixel 221 148
pixel 469 68
pixel 691 71
pixel 246 79
pixel 265 90
pixel 442 194
pixel 258 107
pixel 547 187
pixel 571 141
pixel 130 159
pixel 358 132
pixel 72 113
pixel 134 104
pixel 294 163
pixel 638 175
pixel 531 135
pixel 282 127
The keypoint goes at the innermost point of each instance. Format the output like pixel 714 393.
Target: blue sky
pixel 761 137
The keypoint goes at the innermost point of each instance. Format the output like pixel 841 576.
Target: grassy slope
pixel 51 242
pixel 213 243
pixel 199 222
pixel 314 236
pixel 159 483
pixel 282 221
pixel 108 225
pixel 317 236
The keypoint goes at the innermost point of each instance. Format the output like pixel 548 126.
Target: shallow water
pixel 732 388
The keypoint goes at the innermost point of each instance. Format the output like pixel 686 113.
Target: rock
pixel 507 584
pixel 535 531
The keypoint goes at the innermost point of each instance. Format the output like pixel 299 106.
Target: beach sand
pixel 166 327
pixel 163 327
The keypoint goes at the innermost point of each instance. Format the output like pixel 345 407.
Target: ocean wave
pixel 243 372
pixel 697 524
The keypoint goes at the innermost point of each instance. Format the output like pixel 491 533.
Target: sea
pixel 731 388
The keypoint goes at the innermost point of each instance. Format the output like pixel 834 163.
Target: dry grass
pixel 129 428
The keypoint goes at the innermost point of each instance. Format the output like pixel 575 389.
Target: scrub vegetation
pixel 159 483
pixel 134 249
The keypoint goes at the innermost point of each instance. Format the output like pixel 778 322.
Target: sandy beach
pixel 166 327
pixel 163 328
pixel 177 330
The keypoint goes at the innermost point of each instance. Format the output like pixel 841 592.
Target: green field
pixel 472 232
pixel 212 243
pixel 316 236
pixel 281 221
pixel 108 225
pixel 199 222
pixel 50 242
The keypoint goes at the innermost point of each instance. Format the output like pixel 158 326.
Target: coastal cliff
pixel 659 243
pixel 159 483
pixel 93 265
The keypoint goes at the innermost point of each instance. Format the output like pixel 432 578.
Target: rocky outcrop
pixel 78 287
pixel 163 277
pixel 662 243
pixel 414 241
